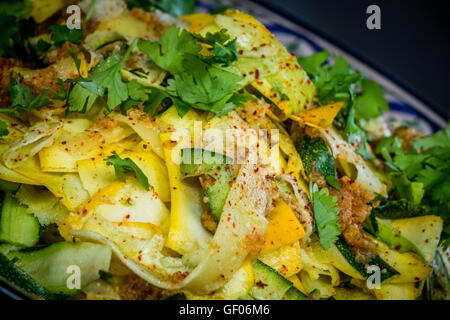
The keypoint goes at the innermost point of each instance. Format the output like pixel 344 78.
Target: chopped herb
pixel 62 34
pixel 3 129
pixel 169 53
pixel 23 99
pixel 421 174
pixel 326 215
pixel 312 64
pixel 123 166
pixel 371 100
pixel 104 78
pixel 196 81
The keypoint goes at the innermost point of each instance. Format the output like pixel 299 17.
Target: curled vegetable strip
pixel 302 200
pixel 146 129
pixel 37 137
pixel 344 151
pixel 240 232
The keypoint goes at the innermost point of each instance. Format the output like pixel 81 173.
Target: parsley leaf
pixel 421 174
pixel 169 53
pixel 224 49
pixel 356 136
pixel 206 87
pixel 312 64
pixel 326 215
pixel 371 100
pixel 334 82
pixel 136 93
pixel 15 30
pixel 123 166
pixel 104 78
pixel 17 9
pixel 196 81
pixel 158 97
pixel 23 99
pixel 62 34
pixel 3 129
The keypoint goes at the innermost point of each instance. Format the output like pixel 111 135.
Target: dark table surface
pixel 413 43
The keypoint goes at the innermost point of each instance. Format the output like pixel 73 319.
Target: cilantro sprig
pixel 124 166
pixel 197 80
pixel 104 79
pixel 326 215
pixel 421 174
pixel 23 99
pixel 16 28
pixel 339 82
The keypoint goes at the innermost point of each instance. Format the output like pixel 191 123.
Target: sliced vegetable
pixel 198 162
pixel 286 260
pixel 269 284
pixel 283 228
pixel 387 271
pixel 316 156
pixel 52 265
pixel 17 225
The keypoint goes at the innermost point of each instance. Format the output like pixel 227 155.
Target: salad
pixel 150 152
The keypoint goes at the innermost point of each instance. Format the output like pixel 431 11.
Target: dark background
pixel 413 43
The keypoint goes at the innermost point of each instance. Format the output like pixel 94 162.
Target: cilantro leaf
pixel 223 54
pixel 334 82
pixel 14 36
pixel 173 7
pixel 76 60
pixel 169 53
pixel 421 175
pixel 206 87
pixel 17 9
pixel 104 78
pixel 357 136
pixel 371 100
pixel 3 129
pixel 326 215
pixel 311 64
pixel 388 146
pixel 123 166
pixel 62 34
pixel 440 139
pixel 136 93
pixel 158 97
pixel 223 48
pixel 23 99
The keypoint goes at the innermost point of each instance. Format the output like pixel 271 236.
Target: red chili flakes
pixel 261 284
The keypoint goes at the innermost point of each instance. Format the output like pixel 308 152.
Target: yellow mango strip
pixel 321 117
pixel 283 228
pixel 286 260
